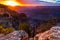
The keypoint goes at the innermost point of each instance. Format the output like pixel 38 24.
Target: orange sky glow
pixel 10 3
pixel 15 3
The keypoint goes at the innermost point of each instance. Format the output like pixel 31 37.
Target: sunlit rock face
pixel 37 36
pixel 16 35
pixel 52 34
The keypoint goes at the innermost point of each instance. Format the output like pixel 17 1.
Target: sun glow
pixel 14 3
pixel 10 3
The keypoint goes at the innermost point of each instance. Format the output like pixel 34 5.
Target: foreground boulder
pixel 52 34
pixel 16 35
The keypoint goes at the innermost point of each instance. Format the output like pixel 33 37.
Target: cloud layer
pixel 43 2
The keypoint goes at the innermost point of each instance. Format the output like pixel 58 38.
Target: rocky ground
pixel 52 34
pixel 16 35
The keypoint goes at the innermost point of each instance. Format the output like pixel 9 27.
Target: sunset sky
pixel 41 2
pixel 31 2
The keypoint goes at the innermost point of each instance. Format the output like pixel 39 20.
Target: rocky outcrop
pixel 52 34
pixel 16 35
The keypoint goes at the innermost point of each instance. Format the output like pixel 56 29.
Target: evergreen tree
pixel 24 25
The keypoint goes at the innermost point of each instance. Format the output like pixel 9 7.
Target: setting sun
pixel 10 3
